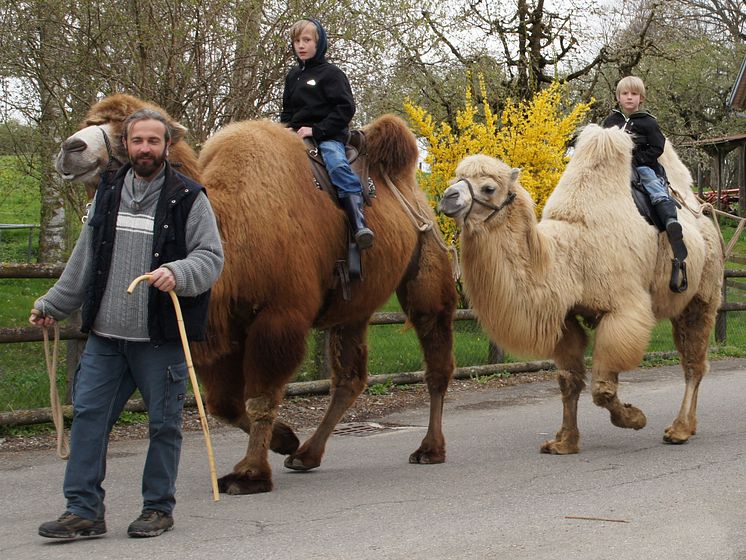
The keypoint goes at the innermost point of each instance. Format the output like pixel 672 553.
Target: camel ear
pixel 178 131
pixel 514 174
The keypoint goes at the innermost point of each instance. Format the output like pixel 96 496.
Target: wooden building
pixel 718 148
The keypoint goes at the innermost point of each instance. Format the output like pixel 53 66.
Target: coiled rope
pixel 51 357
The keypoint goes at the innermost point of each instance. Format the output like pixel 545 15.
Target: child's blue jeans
pixel 110 370
pixel 340 172
pixel 654 185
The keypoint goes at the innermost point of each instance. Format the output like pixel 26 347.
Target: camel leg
pixel 223 384
pixel 427 295
pixel 621 340
pixel 569 359
pixel 691 332
pixel 349 363
pixel 275 345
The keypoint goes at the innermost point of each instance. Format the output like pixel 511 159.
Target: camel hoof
pixel 554 447
pixel 669 436
pixel 297 464
pixel 675 441
pixel 234 485
pixel 284 441
pixel 420 457
pixel 629 417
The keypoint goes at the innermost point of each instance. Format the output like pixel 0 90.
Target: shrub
pixel 532 135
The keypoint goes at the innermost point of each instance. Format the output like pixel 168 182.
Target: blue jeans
pixel 340 172
pixel 654 185
pixel 109 372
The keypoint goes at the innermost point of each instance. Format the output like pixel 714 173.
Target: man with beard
pixel 146 217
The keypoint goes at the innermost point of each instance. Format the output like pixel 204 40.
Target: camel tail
pixel 391 146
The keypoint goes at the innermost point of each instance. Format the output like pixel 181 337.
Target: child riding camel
pixel 649 144
pixel 317 102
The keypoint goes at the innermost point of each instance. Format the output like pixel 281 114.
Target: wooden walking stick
pixel 195 385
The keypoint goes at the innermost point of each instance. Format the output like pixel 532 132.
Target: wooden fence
pixel 75 340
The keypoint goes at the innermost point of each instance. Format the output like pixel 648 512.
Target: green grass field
pixel 23 377
pixel 19 204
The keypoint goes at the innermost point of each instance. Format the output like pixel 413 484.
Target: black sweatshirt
pixel 318 94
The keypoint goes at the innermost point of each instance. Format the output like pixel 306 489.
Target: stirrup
pixel 676 284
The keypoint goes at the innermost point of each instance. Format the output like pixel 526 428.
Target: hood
pixel 321 45
pixel 636 115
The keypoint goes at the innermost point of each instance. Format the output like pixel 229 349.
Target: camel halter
pixel 482 202
pixel 113 164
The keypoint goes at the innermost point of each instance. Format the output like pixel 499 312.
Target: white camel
pixel 593 261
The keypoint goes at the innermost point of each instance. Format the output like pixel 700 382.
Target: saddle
pixel 642 201
pixel 356 156
pixel 351 267
pixel 678 282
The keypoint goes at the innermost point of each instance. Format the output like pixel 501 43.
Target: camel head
pixel 484 188
pixel 98 143
pixel 88 152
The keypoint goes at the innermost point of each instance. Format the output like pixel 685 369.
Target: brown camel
pixel 282 238
pixel 592 258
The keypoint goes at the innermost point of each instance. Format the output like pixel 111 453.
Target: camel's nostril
pixel 74 145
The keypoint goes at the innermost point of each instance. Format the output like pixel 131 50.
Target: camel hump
pixel 391 146
pixel 603 146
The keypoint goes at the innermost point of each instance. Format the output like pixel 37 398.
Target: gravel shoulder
pixel 304 412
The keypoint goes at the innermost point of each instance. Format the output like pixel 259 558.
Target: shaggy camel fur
pixel 591 258
pixel 282 238
pixel 88 152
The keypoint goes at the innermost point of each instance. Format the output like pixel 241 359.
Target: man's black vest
pixel 169 244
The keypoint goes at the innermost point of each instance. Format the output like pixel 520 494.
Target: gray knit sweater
pixel 122 315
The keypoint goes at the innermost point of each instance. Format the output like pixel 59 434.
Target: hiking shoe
pixel 69 526
pixel 364 238
pixel 151 523
pixel 676 239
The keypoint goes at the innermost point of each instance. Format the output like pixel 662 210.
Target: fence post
pixel 74 351
pixel 321 354
pixel 495 354
pixel 721 320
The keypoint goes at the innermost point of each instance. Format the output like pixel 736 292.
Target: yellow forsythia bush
pixel 532 135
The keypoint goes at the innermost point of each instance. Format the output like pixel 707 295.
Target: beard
pixel 146 165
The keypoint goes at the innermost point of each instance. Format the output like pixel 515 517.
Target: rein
pixel 474 198
pixel 419 218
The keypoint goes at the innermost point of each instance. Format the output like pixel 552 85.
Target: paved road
pixel 625 496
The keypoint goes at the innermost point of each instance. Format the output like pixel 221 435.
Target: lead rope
pixel 706 207
pixel 418 217
pixel 50 355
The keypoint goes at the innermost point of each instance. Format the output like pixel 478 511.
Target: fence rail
pixel 71 333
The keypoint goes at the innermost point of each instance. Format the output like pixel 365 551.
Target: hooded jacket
pixel 318 94
pixel 647 135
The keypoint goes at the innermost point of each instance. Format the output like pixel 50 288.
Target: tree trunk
pixel 247 33
pixel 52 238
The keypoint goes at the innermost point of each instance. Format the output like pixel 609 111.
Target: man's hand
pixel 36 318
pixel 305 131
pixel 163 279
